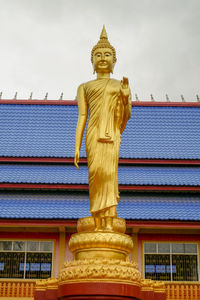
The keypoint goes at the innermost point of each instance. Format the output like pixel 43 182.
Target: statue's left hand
pixel 125 90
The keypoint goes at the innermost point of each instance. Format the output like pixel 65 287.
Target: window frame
pixel 170 254
pixel 53 241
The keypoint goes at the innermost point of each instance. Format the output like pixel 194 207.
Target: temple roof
pixel 137 206
pixel 156 131
pixel 153 132
pixel 128 175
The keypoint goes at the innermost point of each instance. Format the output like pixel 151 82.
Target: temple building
pixel 42 195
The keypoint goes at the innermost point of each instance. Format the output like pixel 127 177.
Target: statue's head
pixel 103 55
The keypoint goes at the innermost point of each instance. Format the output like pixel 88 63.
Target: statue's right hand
pixel 76 158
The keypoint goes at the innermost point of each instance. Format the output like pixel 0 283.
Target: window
pixel 171 261
pixel 25 259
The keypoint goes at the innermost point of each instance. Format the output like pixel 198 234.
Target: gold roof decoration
pixel 104 43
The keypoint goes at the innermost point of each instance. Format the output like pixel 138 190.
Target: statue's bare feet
pixel 109 229
pixel 98 229
pixel 108 224
pixel 98 224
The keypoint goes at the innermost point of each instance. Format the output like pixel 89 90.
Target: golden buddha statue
pixel 108 102
pixel 101 249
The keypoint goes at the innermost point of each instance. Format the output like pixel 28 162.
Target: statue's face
pixel 103 60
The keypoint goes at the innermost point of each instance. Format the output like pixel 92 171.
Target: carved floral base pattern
pixel 102 270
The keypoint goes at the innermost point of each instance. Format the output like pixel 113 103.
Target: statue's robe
pixel 107 119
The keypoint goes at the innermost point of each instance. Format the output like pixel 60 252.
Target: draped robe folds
pixel 107 114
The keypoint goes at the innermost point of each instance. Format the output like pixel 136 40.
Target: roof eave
pixel 83 160
pixel 82 187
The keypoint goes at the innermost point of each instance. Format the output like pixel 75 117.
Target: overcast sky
pixel 46 45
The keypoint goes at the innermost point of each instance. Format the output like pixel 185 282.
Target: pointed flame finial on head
pixel 104 33
pixel 103 43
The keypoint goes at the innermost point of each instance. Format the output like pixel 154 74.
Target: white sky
pixel 46 45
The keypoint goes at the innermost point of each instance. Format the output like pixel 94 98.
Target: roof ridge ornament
pixel 15 96
pixel 31 96
pixel 167 98
pixel 136 97
pixel 1 95
pixel 182 98
pixel 198 100
pixel 61 97
pixel 152 98
pixel 46 97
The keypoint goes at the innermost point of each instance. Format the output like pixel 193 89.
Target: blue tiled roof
pixel 49 131
pixel 22 205
pixel 128 175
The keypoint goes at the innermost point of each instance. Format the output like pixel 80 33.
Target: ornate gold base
pixel 88 244
pixel 111 245
pixel 103 270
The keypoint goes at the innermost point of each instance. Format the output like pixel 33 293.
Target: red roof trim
pixel 74 102
pixel 84 160
pixel 40 102
pixel 86 187
pixel 43 222
pixel 163 224
pixel 160 161
pixel 44 186
pixel 129 223
pixel 42 159
pixel 154 103
pixel 158 188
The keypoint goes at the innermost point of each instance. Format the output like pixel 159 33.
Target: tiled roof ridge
pixel 74 102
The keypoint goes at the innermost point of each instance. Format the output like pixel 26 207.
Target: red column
pixel 51 294
pixel 148 294
pixel 39 294
pixel 160 295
